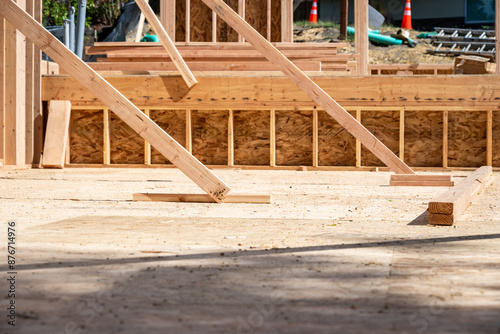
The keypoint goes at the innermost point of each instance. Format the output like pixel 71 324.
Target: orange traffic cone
pixel 313 17
pixel 407 16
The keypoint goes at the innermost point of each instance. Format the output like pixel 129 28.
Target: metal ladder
pixel 455 42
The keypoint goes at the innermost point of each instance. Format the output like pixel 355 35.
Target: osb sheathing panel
pixel 336 146
pixel 385 126
pixel 210 137
pixel 294 138
pixel 180 20
pixel 256 15
pixel 424 138
pixel 201 22
pixel 86 137
pixel 466 138
pixel 127 147
pixel 224 32
pixel 276 21
pixel 251 137
pixel 496 138
pixel 174 123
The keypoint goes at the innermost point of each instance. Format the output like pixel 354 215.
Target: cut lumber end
pixel 413 180
pixel 201 198
pixel 447 207
pixel 57 134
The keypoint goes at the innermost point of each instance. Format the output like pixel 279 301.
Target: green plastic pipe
pixel 382 39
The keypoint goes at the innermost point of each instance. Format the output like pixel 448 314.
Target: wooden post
pixel 15 94
pixel 167 17
pixel 167 43
pixel 106 145
pixel 57 136
pixel 358 143
pixel 29 94
pixel 120 105
pixel 140 28
pixel 310 87
pixel 344 18
pixel 268 21
pixel 497 30
pixel 147 145
pixel 188 21
pixel 315 162
pixel 286 21
pixel 214 27
pixel 241 12
pixel 361 35
pixel 402 134
pixel 445 139
pixel 489 138
pixel 272 138
pixel 2 87
pixel 230 139
pixel 189 132
pixel 38 134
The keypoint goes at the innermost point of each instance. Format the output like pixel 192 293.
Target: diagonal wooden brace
pixel 309 87
pixel 115 101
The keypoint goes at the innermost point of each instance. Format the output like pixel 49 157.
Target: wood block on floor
pixel 446 208
pixel 409 180
pixel 57 134
pixel 202 198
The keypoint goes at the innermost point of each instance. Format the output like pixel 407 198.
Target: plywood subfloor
pixel 336 252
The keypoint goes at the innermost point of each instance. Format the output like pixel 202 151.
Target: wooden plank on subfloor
pixel 201 198
pixel 421 183
pixel 56 135
pixel 115 101
pixel 309 87
pixel 167 43
pixel 447 207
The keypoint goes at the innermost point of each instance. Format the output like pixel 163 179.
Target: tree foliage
pixel 98 11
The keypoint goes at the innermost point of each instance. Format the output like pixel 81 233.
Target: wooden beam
pixel 189 131
pixel 38 134
pixel 447 208
pixel 147 145
pixel 286 21
pixel 188 21
pixel 167 17
pixel 497 30
pixel 402 134
pixel 489 138
pixel 344 18
pixel 122 107
pixel 272 138
pixel 2 88
pixel 230 139
pixel 421 181
pixel 167 43
pixel 15 93
pixel 268 20
pixel 29 93
pixel 57 134
pixel 445 139
pixel 308 86
pixel 358 143
pixel 106 149
pixel 241 12
pixel 361 36
pixel 202 198
pixel 214 27
pixel 140 28
pixel 315 149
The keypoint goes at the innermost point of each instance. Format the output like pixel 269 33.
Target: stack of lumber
pixel 122 56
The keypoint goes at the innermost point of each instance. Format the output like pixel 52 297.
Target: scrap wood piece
pixel 403 180
pixel 167 43
pixel 446 208
pixel 309 87
pixel 115 101
pixel 201 198
pixel 57 134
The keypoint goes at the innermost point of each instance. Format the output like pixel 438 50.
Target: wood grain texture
pixel 423 138
pixel 174 123
pixel 201 22
pixel 210 136
pixel 467 139
pixel 201 198
pixel 255 15
pixel 447 207
pixel 57 134
pixel 337 147
pixel 251 137
pixel 385 126
pixel 127 147
pixel 294 131
pixel 496 138
pixel 86 137
pixel 2 87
